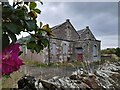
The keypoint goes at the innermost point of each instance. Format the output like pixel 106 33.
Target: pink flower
pixel 10 60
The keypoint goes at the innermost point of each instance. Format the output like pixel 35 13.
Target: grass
pixel 58 64
pixel 11 82
pixel 14 77
pixel 55 64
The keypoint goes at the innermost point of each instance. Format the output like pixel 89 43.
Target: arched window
pixel 65 48
pixel 53 49
pixel 95 51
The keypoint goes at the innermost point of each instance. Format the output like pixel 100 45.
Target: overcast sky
pixel 101 17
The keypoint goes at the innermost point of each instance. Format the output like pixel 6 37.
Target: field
pixel 44 71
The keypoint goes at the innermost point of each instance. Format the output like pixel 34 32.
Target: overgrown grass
pixel 11 82
pixel 35 63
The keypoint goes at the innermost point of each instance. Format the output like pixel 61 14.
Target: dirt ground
pixel 38 73
pixel 48 72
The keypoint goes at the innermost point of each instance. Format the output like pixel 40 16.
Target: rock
pixel 54 79
pixel 80 71
pixel 86 81
pixel 84 86
pixel 116 78
pixel 76 77
pixel 60 84
pixel 108 77
pixel 93 81
pixel 27 82
pixel 49 85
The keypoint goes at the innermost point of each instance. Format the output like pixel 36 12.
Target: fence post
pixel 48 49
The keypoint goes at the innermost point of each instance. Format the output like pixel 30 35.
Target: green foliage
pixel 30 25
pixel 22 17
pixel 111 51
pixel 37 11
pixel 32 5
pixel 117 52
pixel 6 40
pixel 108 51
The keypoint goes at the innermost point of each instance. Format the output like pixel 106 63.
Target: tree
pixel 117 52
pixel 108 51
pixel 21 17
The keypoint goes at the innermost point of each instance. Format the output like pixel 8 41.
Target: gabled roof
pixel 55 27
pixel 81 31
pixel 67 21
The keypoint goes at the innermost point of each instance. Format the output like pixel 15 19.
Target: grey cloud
pixel 91 8
pixel 102 17
pixel 109 41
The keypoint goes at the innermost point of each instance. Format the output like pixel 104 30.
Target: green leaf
pixel 40 2
pixel 24 8
pixel 32 5
pixel 38 48
pixel 7 10
pixel 5 41
pixel 26 3
pixel 45 42
pixel 32 14
pixel 46 28
pixel 20 13
pixel 31 25
pixel 12 27
pixel 40 24
pixel 31 46
pixel 37 10
pixel 6 76
pixel 32 50
pixel 31 39
pixel 12 36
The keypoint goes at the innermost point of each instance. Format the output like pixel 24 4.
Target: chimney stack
pixel 87 27
pixel 67 20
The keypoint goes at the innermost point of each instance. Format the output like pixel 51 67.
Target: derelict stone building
pixel 69 44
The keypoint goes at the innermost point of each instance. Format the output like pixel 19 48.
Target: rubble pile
pixel 109 76
pixel 104 78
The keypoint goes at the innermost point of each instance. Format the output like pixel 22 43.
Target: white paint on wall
pixel 65 47
pixel 53 50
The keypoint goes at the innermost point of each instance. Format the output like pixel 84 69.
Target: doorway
pixel 79 54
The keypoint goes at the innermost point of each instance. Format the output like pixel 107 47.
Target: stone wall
pixel 67 39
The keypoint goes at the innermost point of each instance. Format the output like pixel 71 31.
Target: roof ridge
pixel 81 31
pixel 56 26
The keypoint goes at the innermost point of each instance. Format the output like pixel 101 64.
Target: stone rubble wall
pixel 106 77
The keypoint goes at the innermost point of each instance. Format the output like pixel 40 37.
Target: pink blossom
pixel 10 59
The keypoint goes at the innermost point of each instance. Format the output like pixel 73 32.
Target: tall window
pixel 65 48
pixel 95 51
pixel 53 50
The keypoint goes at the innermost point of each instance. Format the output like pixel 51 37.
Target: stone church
pixel 69 44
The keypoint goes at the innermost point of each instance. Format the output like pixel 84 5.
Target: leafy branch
pixel 22 17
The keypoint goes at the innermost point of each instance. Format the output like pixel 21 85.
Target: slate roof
pixel 55 27
pixel 81 31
